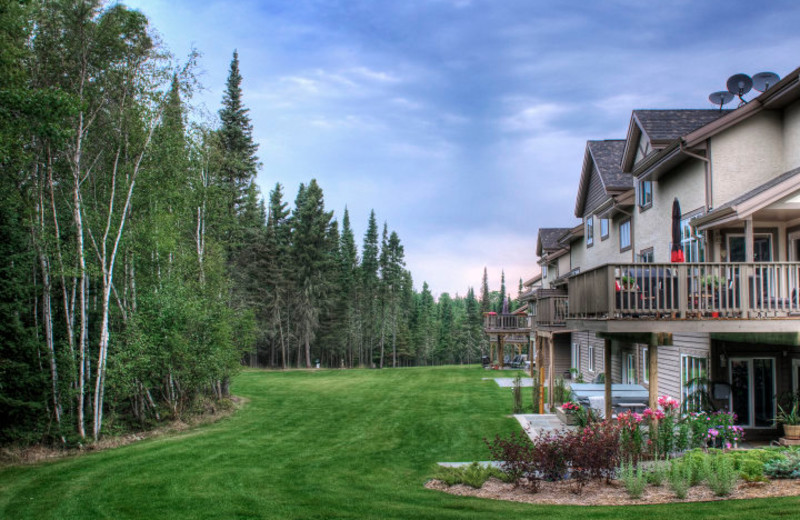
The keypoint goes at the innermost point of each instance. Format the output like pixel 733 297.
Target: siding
pixel 669 360
pixel 595 195
pixel 584 339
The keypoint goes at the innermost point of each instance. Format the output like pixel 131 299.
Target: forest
pixel 142 266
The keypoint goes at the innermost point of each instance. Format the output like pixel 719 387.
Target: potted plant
pixel 568 412
pixel 627 282
pixel 790 420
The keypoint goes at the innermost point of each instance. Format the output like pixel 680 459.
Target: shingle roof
pixel 548 238
pixel 665 125
pixel 607 156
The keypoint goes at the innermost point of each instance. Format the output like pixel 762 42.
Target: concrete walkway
pixel 539 424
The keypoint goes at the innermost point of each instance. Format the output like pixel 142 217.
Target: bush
pixel 595 451
pixel 720 474
pixel 633 478
pixel 783 468
pixel 751 471
pixel 517 456
pixel 658 473
pixel 680 474
pixel 473 475
pixel 695 462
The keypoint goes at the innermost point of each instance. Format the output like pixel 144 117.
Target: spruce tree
pixel 486 302
pixel 239 162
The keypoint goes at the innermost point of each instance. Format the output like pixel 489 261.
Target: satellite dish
pixel 739 84
pixel 720 98
pixel 764 80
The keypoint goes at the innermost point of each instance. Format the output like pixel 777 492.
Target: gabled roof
pixel 660 127
pixel 604 157
pixel 548 240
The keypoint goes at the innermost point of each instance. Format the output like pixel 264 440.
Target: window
pixel 625 235
pixel 589 230
pixel 645 194
pixel 544 271
pixel 694 370
pixel 646 256
pixel 591 358
pixel 645 365
pixel 692 243
pixel 603 228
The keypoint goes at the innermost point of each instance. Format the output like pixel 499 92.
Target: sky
pixel 462 123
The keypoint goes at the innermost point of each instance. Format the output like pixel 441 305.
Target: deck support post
pixel 652 353
pixel 607 378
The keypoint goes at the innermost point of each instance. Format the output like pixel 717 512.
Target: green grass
pixel 327 444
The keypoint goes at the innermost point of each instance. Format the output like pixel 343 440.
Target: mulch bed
pixel 598 493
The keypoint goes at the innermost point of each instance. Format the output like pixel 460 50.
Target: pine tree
pixel 486 304
pixel 369 288
pixel 502 291
pixel 238 162
pixel 348 259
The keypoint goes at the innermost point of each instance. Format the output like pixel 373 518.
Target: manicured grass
pixel 325 444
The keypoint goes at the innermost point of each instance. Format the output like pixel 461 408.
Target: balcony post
pixel 611 290
pixel 744 288
pixel 540 343
pixel 683 290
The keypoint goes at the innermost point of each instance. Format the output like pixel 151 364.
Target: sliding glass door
pixel 753 391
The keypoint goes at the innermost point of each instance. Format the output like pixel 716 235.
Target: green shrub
pixel 720 474
pixel 680 474
pixel 658 473
pixel 633 478
pixel 473 475
pixel 695 461
pixel 783 468
pixel 751 470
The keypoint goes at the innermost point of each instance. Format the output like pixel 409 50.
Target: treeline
pixel 141 266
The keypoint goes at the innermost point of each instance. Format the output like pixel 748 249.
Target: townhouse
pixel 721 328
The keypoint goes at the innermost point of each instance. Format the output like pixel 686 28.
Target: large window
pixel 604 224
pixel 589 230
pixel 694 372
pixel 645 194
pixel 625 235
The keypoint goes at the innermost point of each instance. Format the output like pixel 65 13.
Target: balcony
pixel 725 297
pixel 494 323
pixel 551 308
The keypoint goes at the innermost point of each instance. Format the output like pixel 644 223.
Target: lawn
pixel 324 444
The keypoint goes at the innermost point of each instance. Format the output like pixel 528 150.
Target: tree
pixel 369 288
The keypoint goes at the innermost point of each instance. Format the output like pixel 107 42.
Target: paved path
pixel 538 424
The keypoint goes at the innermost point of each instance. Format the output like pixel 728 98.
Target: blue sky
pixel 463 123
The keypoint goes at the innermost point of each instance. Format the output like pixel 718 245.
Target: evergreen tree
pixel 502 291
pixel 239 163
pixel 486 304
pixel 369 288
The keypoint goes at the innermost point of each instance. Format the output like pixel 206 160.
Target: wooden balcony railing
pixel 505 322
pixel 552 309
pixel 692 290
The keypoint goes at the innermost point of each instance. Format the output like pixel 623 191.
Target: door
pixel 753 391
